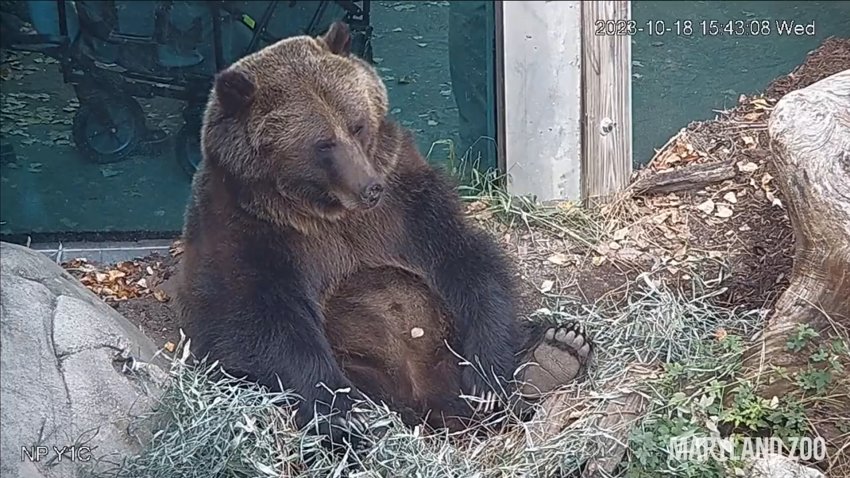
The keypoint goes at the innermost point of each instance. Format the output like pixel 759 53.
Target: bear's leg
pixel 392 337
pixel 552 356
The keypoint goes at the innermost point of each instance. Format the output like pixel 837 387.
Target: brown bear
pixel 322 252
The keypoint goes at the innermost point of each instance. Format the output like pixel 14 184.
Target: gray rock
pixel 777 466
pixel 73 372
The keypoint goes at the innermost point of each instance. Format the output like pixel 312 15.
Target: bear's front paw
pixel 339 421
pixel 484 394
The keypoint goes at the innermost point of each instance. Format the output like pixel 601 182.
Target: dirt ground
pixel 735 231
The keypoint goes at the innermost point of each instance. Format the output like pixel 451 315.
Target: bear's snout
pixel 371 194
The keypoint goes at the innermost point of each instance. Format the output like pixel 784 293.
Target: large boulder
pixel 74 373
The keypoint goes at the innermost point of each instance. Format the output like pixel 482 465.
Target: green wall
pixel 678 79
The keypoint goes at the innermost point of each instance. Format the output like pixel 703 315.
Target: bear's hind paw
pixel 562 356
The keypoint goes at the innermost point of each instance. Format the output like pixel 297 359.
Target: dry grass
pixel 221 427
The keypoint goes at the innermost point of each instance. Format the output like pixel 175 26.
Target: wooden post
pixel 607 98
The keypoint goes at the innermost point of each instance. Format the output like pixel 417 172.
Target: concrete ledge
pixel 102 252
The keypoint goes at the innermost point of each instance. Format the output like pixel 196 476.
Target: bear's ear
pixel 234 89
pixel 338 38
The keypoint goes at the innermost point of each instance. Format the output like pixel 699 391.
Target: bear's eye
pixel 325 145
pixel 356 129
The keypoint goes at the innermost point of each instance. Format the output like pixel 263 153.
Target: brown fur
pixel 377 310
pixel 289 276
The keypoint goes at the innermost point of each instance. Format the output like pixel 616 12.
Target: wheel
pixel 108 128
pixel 187 148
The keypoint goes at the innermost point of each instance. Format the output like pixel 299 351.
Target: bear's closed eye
pixel 325 145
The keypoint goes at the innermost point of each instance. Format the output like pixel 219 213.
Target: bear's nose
pixel 372 193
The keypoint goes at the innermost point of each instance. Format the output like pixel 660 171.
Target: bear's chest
pixel 346 247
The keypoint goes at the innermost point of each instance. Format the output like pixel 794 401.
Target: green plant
pixel 823 364
pixel 801 337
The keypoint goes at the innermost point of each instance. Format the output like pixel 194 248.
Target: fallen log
pixel 693 176
pixel 620 411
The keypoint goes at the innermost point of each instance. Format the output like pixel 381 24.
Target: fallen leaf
pixel 730 197
pixel 681 252
pixel 116 274
pixel 546 286
pixel 774 402
pixel 744 228
pixel 629 253
pixel 620 234
pixel 723 211
pixel 160 295
pixel 614 245
pixel 748 141
pixel 142 283
pixel 707 206
pixel 661 217
pixel 720 334
pixel 566 205
pixel 675 217
pixel 169 346
pixel 747 167
pixel 108 172
pixel 476 206
pixel 597 260
pixel 774 201
pixel 416 332
pixel 559 259
pixel 753 116
pixel 176 248
pixel 760 103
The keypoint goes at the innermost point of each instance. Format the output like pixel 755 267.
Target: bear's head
pixel 299 123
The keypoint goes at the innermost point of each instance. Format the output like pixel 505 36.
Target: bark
pixel 688 178
pixel 810 140
pixel 614 422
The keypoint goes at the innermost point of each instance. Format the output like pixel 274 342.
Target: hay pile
pixel 224 428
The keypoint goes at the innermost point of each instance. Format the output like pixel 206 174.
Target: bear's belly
pixel 388 332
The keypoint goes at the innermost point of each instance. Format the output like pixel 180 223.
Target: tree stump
pixel 810 139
